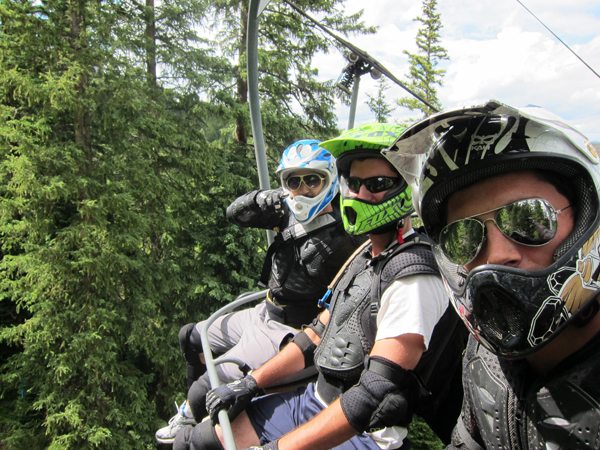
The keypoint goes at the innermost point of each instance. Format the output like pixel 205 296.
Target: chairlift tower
pixel 349 80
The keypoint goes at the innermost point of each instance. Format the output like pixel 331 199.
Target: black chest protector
pixel 350 333
pixel 302 261
pixel 509 407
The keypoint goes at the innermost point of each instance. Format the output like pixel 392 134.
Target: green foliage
pixel 421 437
pixel 424 76
pixel 124 137
pixel 378 106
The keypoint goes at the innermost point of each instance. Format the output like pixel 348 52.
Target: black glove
pixel 235 396
pixel 268 446
pixel 271 202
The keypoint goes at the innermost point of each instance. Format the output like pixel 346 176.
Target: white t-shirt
pixel 413 304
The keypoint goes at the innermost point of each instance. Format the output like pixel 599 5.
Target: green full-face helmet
pixel 360 216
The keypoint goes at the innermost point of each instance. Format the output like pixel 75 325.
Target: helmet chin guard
pixel 513 312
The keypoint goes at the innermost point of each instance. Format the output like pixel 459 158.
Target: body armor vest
pixel 512 408
pixel 301 262
pixel 350 333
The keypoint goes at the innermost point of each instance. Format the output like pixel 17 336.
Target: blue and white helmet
pixel 307 154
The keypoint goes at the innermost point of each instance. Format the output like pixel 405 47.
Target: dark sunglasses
pixel 373 184
pixel 532 222
pixel 310 180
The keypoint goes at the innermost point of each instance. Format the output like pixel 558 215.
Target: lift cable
pixel 561 41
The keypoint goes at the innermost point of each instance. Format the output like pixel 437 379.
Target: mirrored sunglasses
pixel 531 222
pixel 373 184
pixel 310 180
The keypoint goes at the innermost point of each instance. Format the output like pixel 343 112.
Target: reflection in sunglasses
pixel 532 222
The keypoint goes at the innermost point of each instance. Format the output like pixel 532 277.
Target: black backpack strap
pixel 268 263
pixel 379 263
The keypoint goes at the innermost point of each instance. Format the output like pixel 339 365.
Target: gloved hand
pixel 268 446
pixel 235 396
pixel 271 202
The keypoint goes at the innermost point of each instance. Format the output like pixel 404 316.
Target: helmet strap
pixel 587 314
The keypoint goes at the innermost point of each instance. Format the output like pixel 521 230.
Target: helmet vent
pixel 350 215
pixel 501 319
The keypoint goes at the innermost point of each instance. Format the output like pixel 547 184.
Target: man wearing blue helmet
pixel 308 250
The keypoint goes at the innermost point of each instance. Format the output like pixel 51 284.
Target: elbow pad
pixel 307 347
pixel 385 396
pixel 258 209
pixel 244 210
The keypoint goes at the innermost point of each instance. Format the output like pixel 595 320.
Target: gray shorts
pixel 249 335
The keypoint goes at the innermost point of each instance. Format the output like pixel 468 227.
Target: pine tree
pixel 424 75
pixel 105 179
pixel 378 106
pixel 294 104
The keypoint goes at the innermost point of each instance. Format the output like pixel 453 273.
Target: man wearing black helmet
pixel 510 199
pixel 387 336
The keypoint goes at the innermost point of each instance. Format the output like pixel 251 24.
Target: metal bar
pixel 254 100
pixel 210 365
pixel 354 101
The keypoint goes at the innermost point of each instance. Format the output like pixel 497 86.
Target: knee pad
pixel 197 398
pixel 190 341
pixel 204 437
pixel 191 346
pixel 183 438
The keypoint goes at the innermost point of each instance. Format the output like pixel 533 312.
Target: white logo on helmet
pixel 481 143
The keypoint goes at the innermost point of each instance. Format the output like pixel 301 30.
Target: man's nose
pixel 302 190
pixel 364 193
pixel 498 249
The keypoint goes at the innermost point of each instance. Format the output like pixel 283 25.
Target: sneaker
pixel 167 434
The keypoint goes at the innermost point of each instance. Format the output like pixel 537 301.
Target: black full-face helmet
pixel 513 312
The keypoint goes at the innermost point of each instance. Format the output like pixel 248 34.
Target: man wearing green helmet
pixel 392 200
pixel 387 345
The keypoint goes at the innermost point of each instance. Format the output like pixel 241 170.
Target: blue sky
pixel 497 50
